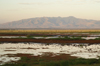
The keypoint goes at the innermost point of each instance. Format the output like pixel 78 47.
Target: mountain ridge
pixel 52 22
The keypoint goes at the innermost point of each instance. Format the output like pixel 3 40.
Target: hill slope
pixel 52 22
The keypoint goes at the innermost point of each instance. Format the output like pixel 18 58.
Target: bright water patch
pixel 13 37
pixel 81 51
pixel 88 38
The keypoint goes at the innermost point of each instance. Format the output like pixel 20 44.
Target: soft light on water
pixel 82 51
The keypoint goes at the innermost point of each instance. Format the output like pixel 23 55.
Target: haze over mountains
pixel 52 22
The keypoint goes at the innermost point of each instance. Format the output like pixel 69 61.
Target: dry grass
pixel 43 31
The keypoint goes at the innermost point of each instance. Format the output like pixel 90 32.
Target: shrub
pixel 29 36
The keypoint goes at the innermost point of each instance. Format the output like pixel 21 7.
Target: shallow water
pixel 26 37
pixel 13 37
pixel 87 38
pixel 77 50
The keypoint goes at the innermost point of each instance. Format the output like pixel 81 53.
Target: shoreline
pixel 47 40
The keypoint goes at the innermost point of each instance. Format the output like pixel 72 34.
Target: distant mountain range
pixel 52 22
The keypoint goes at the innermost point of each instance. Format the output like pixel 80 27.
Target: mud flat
pixel 13 52
pixel 47 40
pixel 49 34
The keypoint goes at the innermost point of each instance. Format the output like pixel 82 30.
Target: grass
pixel 25 61
pixel 29 36
pixel 97 38
pixel 73 62
pixel 47 60
pixel 49 31
pixel 44 36
pixel 69 38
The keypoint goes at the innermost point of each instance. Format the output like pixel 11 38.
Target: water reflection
pixel 75 49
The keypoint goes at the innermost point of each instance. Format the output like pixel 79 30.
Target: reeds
pixel 46 31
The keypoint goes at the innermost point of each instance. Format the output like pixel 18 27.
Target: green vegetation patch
pixel 25 61
pixel 69 38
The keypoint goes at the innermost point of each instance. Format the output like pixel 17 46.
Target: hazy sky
pixel 12 10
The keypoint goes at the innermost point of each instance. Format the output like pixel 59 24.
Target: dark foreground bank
pixel 47 40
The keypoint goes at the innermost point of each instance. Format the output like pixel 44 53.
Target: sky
pixel 13 10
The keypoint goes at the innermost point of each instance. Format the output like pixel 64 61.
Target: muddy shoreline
pixel 47 40
pixel 42 34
